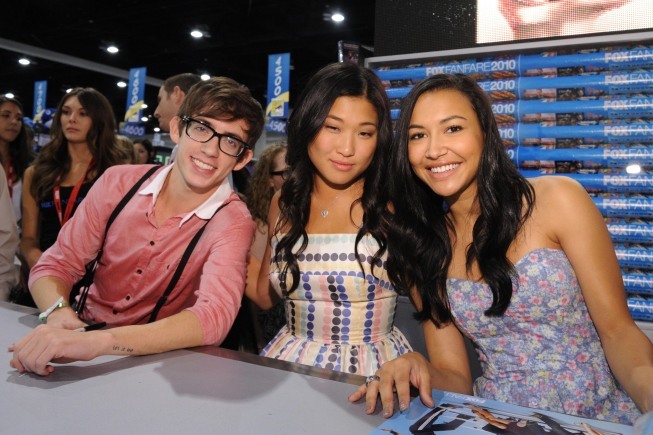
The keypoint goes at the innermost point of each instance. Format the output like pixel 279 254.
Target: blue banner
pixel 608 182
pixel 535 134
pixel 135 95
pixel 278 85
pixel 618 156
pixel 527 65
pixel 40 92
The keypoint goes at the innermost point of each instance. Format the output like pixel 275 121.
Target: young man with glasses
pixel 218 124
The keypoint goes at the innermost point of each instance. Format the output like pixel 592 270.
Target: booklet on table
pixel 459 414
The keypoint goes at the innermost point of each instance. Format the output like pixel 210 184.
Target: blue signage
pixel 135 95
pixel 40 92
pixel 132 129
pixel 275 125
pixel 278 85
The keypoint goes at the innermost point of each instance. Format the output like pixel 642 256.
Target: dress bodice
pixel 544 351
pixel 341 315
pixel 333 285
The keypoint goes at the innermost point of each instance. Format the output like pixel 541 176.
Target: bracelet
pixel 60 303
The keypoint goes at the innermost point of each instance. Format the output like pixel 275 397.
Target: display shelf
pixel 580 108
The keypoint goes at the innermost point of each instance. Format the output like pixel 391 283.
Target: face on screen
pixel 508 20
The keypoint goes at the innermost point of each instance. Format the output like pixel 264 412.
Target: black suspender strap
pixel 180 267
pixel 128 197
pixel 87 279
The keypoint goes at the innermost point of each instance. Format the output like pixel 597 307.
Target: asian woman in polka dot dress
pixel 327 253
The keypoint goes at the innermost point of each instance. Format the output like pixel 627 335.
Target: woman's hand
pixel 397 376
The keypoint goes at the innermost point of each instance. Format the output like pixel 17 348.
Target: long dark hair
pixel 419 233
pixel 20 150
pixel 54 160
pixel 313 106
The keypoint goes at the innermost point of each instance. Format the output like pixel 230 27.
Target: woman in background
pixel 126 148
pixel 270 172
pixel 15 149
pixel 82 147
pixel 327 246
pixel 143 151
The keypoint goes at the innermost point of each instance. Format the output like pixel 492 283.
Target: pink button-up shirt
pixel 140 257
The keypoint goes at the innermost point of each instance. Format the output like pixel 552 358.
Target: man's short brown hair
pixel 184 81
pixel 225 99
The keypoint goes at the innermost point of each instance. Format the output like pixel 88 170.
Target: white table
pixel 203 390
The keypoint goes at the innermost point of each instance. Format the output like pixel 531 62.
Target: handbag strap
pixel 180 267
pixel 87 280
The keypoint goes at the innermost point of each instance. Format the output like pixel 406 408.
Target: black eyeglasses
pixel 284 173
pixel 202 132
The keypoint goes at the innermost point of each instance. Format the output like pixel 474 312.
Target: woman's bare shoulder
pixel 555 189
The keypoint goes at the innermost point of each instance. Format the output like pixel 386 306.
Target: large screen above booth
pixel 431 25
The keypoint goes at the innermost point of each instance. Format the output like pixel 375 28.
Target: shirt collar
pixel 203 211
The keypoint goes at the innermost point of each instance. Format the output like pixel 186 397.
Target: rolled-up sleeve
pixel 222 283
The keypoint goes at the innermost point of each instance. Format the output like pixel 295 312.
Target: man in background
pixel 171 95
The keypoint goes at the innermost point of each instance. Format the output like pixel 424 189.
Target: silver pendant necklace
pixel 324 212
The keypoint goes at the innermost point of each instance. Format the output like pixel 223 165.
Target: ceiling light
pixel 69 90
pixel 143 106
pixel 121 84
pixel 205 77
pixel 9 95
pixel 633 169
pixel 145 119
pixel 156 129
pixel 196 34
pixel 24 61
pixel 338 17
pixel 112 49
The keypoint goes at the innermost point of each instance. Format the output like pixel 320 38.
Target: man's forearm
pixel 179 331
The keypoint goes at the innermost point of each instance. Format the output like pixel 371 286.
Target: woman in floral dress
pixel 525 269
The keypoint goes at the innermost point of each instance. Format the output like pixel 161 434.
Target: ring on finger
pixel 371 379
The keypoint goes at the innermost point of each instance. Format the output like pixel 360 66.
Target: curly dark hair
pixel 20 150
pixel 313 106
pixel 419 230
pixel 54 160
pixel 259 191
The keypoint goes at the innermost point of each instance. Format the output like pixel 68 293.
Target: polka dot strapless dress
pixel 340 317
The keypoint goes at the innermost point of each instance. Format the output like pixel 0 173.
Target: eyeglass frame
pixel 187 120
pixel 284 173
